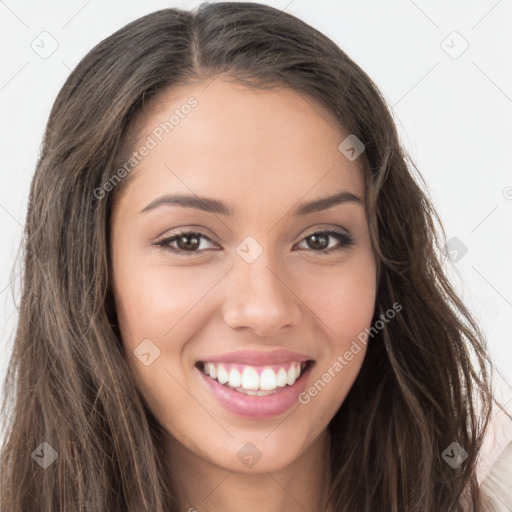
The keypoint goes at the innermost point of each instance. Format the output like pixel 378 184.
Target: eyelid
pixel 200 230
pixel 189 228
pixel 165 239
pixel 344 237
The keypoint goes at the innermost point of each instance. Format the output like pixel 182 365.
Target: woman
pixel 233 295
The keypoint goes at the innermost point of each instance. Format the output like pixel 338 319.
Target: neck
pixel 203 486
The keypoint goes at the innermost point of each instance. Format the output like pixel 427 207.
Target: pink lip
pixel 257 407
pixel 258 358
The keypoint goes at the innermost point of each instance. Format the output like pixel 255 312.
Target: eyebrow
pixel 210 205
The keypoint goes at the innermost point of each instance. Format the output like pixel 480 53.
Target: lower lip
pixel 258 407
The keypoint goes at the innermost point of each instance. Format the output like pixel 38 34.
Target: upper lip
pixel 258 358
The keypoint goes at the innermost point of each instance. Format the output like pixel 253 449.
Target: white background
pixel 454 116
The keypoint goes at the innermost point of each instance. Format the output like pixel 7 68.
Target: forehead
pixel 226 139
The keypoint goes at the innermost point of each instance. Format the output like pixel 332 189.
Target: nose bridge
pixel 259 296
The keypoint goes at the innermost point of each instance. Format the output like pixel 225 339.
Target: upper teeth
pixel 254 378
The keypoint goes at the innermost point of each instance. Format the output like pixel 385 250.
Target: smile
pixel 255 385
pixel 255 380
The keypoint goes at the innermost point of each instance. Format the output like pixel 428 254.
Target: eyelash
pixel 345 239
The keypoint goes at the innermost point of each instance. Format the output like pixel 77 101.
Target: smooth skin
pixel 263 153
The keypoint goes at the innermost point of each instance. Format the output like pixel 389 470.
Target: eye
pixel 319 241
pixel 188 243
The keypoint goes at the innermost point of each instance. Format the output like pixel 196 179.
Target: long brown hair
pixel 425 381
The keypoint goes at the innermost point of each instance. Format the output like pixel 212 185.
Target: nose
pixel 261 298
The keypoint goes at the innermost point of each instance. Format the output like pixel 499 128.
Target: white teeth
pixel 251 382
pixel 250 378
pixel 258 392
pixel 222 374
pixel 281 378
pixel 268 379
pixel 290 377
pixel 235 379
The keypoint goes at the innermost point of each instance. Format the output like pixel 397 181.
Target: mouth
pixel 255 391
pixel 255 380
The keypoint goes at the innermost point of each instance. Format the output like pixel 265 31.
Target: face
pixel 231 308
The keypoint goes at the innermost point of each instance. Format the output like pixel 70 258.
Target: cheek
pixel 345 305
pixel 158 309
pixel 154 300
pixel 345 300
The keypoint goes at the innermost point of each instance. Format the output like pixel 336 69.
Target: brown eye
pixel 186 242
pixel 319 241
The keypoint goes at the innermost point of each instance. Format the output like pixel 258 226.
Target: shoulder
pixel 497 485
pixel 494 468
